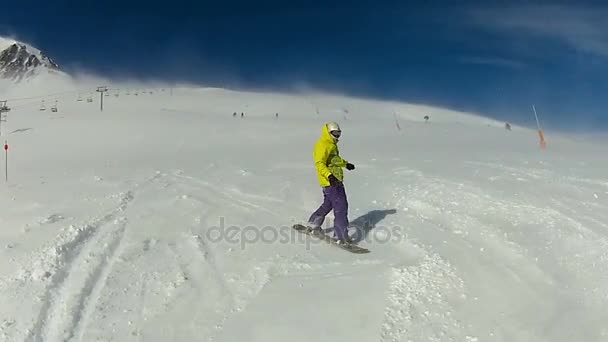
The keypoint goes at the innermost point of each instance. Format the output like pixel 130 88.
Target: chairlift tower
pixel 3 109
pixel 102 90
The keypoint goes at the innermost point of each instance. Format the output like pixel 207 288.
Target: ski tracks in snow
pixel 218 194
pixel 85 264
pixel 491 232
pixel 75 268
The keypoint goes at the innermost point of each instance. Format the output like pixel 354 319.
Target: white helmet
pixel 334 130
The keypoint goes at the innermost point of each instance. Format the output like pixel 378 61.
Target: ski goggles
pixel 336 134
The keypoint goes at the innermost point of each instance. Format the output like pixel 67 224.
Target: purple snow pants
pixel 334 197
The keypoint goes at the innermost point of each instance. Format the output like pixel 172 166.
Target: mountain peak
pixel 20 61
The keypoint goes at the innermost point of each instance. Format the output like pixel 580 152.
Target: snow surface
pixel 111 223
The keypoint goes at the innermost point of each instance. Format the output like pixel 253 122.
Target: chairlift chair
pixel 54 108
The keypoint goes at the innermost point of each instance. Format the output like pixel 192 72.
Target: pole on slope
pixel 541 136
pixel 396 121
pixel 102 90
pixel 6 160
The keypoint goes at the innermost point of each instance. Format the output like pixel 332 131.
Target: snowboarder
pixel 329 166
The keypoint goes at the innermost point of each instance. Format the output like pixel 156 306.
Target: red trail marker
pixel 6 160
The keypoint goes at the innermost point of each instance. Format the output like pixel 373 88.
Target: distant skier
pixel 329 166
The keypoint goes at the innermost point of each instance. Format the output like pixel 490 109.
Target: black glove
pixel 333 180
pixel 350 166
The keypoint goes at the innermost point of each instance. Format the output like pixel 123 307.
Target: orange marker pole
pixel 541 136
pixel 396 121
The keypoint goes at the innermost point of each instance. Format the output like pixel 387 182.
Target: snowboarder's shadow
pixel 363 224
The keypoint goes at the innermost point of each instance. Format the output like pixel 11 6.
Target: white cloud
pixel 581 28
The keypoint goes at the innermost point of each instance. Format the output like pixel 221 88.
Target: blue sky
pixel 493 59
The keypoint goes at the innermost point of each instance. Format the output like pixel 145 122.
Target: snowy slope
pixel 166 219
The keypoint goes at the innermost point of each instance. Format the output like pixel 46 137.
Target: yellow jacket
pixel 327 158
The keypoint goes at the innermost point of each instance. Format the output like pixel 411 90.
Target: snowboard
pixel 330 240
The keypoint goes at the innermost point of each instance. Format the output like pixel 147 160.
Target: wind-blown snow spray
pixel 541 136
